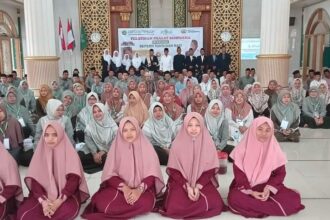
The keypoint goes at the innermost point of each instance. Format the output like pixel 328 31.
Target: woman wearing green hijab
pixel 28 96
pixel 314 110
pixel 285 115
pixel 79 99
pixel 57 90
pixel 18 111
pixel 70 109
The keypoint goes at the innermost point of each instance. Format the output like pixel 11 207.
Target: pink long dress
pixel 260 166
pixel 192 162
pixel 134 164
pixel 54 172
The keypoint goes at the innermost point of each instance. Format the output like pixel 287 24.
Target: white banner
pixel 140 40
pixel 250 48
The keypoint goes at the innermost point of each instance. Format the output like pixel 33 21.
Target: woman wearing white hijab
pixel 314 110
pixel 99 134
pixel 107 56
pixel 214 92
pixel 55 112
pixel 106 62
pixel 218 125
pixel 258 100
pixel 137 61
pixel 298 93
pixel 160 130
pixel 325 95
pixel 85 115
pixel 127 62
pixel 116 61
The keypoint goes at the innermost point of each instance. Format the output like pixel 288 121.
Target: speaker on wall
pixel 292 20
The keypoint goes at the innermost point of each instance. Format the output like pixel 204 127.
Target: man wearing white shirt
pixel 205 84
pixel 166 62
pixel 317 80
pixel 223 77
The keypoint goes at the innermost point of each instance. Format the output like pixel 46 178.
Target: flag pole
pixel 70 59
pixel 75 61
pixel 63 59
pixel 73 55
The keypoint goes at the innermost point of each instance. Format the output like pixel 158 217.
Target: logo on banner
pixel 166 32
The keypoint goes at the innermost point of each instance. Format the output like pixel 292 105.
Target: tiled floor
pixel 308 171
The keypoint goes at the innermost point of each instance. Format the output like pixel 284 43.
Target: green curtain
pixel 83 38
pixel 326 57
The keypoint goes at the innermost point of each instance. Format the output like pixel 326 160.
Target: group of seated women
pixel 91 120
pixel 163 123
pixel 132 183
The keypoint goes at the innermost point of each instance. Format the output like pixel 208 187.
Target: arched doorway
pixel 10 51
pixel 317 35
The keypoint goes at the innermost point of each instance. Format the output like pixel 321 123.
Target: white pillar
pixel 41 62
pixel 273 61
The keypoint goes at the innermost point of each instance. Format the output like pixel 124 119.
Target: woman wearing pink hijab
pixel 55 178
pixel 198 104
pixel 10 185
pixel 131 177
pixel 192 168
pixel 172 109
pixel 259 168
pixel 136 108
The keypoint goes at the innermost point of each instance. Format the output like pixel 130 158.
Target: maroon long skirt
pixel 31 209
pixel 178 205
pixel 110 203
pixel 8 209
pixel 285 202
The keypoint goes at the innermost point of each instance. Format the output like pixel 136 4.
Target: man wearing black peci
pixel 178 60
pixel 151 61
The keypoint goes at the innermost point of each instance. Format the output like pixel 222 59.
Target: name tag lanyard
pixel 284 122
pixel 4 131
pixel 316 106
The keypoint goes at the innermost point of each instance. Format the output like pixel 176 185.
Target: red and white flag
pixel 71 41
pixel 61 39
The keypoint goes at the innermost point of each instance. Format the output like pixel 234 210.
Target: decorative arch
pixel 317 18
pixel 317 29
pixel 7 23
pixel 10 51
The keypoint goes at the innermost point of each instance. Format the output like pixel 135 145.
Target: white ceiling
pixel 304 3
